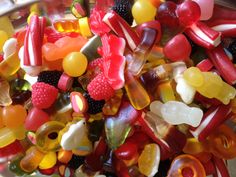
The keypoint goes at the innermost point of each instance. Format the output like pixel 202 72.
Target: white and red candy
pixel 203 35
pixel 79 102
pixel 213 118
pixel 223 64
pixel 33 41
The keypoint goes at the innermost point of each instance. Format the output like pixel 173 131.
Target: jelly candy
pixel 78 101
pixel 66 25
pixel 178 48
pixel 3 37
pixel 10 113
pixel 148 38
pixel 15 168
pixel 47 136
pixel 75 64
pixel 95 129
pixel 32 159
pixel 186 164
pixel 149 160
pixel 209 84
pixel 7 137
pixel 77 8
pixel 64 156
pixel 126 151
pixel 165 92
pixel 188 13
pixel 175 112
pixel 35 118
pixel 62 47
pixel 143 7
pixel 65 82
pixel 5 99
pixel 118 127
pixel 70 139
pixel 48 161
pixel 138 96
pixel 9 47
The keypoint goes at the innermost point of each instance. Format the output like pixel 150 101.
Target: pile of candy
pixel 142 88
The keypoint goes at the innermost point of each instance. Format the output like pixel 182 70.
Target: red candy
pixel 178 48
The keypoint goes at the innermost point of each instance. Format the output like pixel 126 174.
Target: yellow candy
pixel 84 27
pixel 7 137
pixel 149 159
pixel 6 25
pixel 75 64
pixel 194 77
pixel 19 132
pixel 166 92
pixel 3 38
pixel 143 11
pixel 49 160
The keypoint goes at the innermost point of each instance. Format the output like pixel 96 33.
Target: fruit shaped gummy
pixel 143 7
pixel 178 48
pixel 47 136
pixel 175 112
pixel 35 118
pixel 32 159
pixel 149 159
pixel 137 95
pixel 3 37
pixel 62 47
pixel 10 113
pixel 75 64
pixel 206 8
pixel 188 165
pixel 5 99
pixel 48 161
pixel 118 127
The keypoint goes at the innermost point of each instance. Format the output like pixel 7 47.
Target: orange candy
pixel 13 116
pixel 62 47
pixel 64 156
pixel 1 121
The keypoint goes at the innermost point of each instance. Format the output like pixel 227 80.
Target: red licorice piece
pixel 207 101
pixel 212 119
pixel 178 48
pixel 223 64
pixel 140 139
pixel 35 118
pixel 203 35
pixel 188 13
pixel 205 65
pixel 122 29
pixel 220 167
pixel 120 167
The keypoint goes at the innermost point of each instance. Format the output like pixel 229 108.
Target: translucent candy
pixel 48 161
pixel 5 99
pixel 175 113
pixel 7 137
pixel 118 127
pixel 206 8
pixel 3 38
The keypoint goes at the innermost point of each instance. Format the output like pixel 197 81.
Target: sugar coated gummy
pixel 126 88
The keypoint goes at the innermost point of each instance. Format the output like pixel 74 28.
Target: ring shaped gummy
pixel 223 142
pixel 182 162
pixel 47 136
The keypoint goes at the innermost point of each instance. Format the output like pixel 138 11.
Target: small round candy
pixel 14 116
pixel 3 38
pixel 49 160
pixel 188 12
pixel 47 136
pixel 75 64
pixel 143 11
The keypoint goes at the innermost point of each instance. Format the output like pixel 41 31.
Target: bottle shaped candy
pixel 138 96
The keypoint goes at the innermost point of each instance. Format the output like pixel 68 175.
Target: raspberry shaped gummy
pixel 100 89
pixel 43 95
